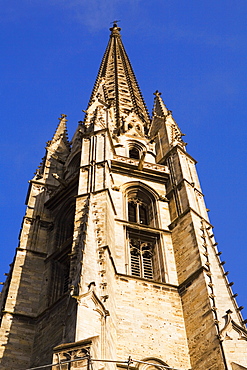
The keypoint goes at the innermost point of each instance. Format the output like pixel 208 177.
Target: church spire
pixel 116 84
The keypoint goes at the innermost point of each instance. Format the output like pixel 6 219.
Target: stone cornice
pixel 142 227
pixel 173 224
pixel 176 148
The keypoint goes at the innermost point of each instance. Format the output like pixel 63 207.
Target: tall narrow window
pixel 65 226
pixel 143 214
pixel 60 277
pixel 145 257
pixel 59 260
pixel 143 254
pixel 138 211
pixel 132 211
pixel 141 207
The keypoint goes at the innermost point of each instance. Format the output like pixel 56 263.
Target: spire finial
pixel 157 93
pixel 115 29
pixel 63 116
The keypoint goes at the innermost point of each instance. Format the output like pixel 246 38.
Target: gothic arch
pixel 59 261
pixel 135 149
pixel 64 224
pixel 143 242
pixel 152 363
pixel 140 203
pixel 124 188
pixel 73 165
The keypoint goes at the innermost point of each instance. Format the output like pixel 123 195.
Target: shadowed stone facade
pixel 117 258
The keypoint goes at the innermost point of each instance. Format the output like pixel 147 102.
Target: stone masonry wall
pixel 17 331
pixel 55 326
pixel 150 322
pixel 199 320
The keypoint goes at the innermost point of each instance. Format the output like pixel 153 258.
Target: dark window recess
pixel 59 277
pixel 132 212
pixel 134 153
pixel 143 214
pixel 64 226
pixel 59 261
pixel 138 212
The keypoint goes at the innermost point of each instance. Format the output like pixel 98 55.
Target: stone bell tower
pixel 117 266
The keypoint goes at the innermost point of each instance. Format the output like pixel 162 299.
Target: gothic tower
pixel 117 266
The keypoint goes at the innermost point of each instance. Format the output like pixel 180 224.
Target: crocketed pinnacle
pixel 61 131
pixel 159 106
pixel 120 86
pixel 58 147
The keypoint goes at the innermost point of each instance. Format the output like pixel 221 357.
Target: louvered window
pixel 142 254
pixel 145 246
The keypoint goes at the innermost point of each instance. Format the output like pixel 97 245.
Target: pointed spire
pixel 164 128
pixel 61 131
pixel 116 84
pixel 160 108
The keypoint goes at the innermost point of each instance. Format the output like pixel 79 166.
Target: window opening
pixel 65 227
pixel 145 256
pixel 142 250
pixel 60 259
pixel 59 277
pixel 132 212
pixel 143 215
pixel 134 153
pixel 138 211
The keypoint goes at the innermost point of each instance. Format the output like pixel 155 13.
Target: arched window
pixel 65 225
pixel 134 153
pixel 152 363
pixel 141 207
pixel 144 243
pixel 60 259
pixel 135 149
pixel 73 166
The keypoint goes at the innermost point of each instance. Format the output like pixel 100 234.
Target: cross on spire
pixel 115 23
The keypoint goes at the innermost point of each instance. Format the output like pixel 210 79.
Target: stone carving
pixel 231 326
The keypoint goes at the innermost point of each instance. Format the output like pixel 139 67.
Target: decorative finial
pixel 63 116
pixel 157 93
pixel 115 29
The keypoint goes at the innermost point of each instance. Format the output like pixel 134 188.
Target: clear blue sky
pixel 193 51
